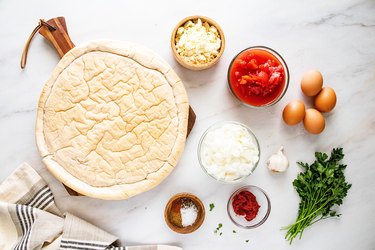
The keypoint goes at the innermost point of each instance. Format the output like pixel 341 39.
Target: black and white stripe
pixel 78 244
pixel 42 199
pixel 26 218
pixel 116 248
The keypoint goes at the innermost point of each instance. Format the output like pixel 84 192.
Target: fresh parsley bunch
pixel 320 186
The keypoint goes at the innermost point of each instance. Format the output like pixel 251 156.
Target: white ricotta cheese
pixel 229 152
pixel 198 42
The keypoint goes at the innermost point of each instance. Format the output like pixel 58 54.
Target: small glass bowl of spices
pixel 249 207
pixel 184 213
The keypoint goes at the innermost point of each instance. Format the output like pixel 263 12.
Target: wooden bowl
pixel 189 65
pixel 178 228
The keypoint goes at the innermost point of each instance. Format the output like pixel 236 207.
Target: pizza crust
pixel 112 120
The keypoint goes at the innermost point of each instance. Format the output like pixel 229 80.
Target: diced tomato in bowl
pixel 258 76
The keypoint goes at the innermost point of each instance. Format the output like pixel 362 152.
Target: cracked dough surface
pixel 112 120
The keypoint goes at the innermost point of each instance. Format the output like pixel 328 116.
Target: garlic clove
pixel 278 162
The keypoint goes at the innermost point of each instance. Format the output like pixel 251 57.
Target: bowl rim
pixel 221 123
pixel 200 216
pixel 181 60
pixel 283 63
pixel 249 187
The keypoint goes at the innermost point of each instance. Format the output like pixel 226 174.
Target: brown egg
pixel 312 82
pixel 314 121
pixel 294 112
pixel 325 101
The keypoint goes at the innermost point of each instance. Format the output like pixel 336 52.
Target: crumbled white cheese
pixel 198 42
pixel 229 152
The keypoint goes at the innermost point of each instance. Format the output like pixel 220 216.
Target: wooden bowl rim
pixel 200 217
pixel 180 59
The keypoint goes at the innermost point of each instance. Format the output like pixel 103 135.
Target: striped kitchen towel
pixel 30 219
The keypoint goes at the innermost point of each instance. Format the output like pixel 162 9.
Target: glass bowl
pixel 283 64
pixel 218 125
pixel 263 213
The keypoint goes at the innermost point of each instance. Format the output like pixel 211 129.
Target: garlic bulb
pixel 278 162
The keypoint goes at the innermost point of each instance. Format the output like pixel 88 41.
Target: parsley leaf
pixel 218 229
pixel 212 206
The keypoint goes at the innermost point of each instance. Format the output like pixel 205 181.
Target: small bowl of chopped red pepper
pixel 249 207
pixel 258 76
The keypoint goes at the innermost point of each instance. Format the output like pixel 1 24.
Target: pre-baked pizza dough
pixel 112 120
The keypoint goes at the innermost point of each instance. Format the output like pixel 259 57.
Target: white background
pixel 337 37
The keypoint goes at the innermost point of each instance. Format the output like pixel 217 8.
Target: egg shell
pixel 312 82
pixel 294 112
pixel 326 100
pixel 314 121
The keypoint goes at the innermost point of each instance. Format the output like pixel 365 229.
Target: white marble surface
pixel 336 36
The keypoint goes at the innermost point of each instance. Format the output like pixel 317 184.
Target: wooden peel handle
pixel 59 38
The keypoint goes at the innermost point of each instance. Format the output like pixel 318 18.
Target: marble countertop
pixel 337 37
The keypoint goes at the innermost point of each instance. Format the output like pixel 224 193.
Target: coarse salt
pixel 189 214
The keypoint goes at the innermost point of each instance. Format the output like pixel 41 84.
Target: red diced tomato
pixel 242 63
pixel 252 64
pixel 263 77
pixel 260 77
pixel 243 81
